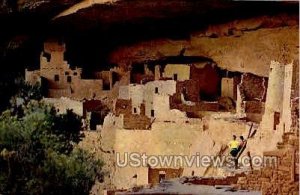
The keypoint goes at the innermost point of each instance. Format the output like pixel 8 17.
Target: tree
pixel 38 155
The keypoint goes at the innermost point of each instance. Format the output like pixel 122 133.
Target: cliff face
pixel 241 45
pixel 239 36
pixel 231 33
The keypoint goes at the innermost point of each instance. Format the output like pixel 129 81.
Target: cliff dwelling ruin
pixel 156 80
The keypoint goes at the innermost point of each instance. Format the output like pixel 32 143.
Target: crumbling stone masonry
pixel 59 79
pixel 155 175
pixel 64 104
pixel 280 177
pixel 251 96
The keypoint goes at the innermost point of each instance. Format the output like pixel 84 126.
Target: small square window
pixel 75 73
pixel 175 76
pixel 66 73
pixel 152 113
pixel 56 77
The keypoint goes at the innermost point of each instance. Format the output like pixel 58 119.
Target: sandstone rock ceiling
pixel 94 28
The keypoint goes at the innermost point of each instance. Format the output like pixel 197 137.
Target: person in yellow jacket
pixel 234 146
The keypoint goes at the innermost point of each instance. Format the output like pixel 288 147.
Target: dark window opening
pixel 276 119
pixel 69 79
pixel 56 77
pixel 75 73
pixel 47 56
pixel 106 85
pixel 137 70
pixel 134 110
pixel 156 89
pixel 115 77
pixel 152 113
pixel 213 35
pixel 161 177
pixel 66 73
pixel 175 77
pixel 96 119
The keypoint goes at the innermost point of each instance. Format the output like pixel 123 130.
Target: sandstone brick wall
pixel 153 174
pixel 63 104
pixel 254 110
pixel 208 81
pixel 199 106
pixel 57 93
pixel 212 181
pixel 106 77
pixel 146 78
pixel 123 107
pixel 61 80
pixel 134 121
pixel 182 71
pixel 254 107
pixel 191 89
pixel 32 77
pixel 281 178
pixel 254 87
pixel 228 88
pixel 87 88
pixel 51 46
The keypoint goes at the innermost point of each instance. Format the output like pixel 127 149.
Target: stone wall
pixel 190 89
pixel 275 96
pixel 185 136
pixel 275 88
pixel 134 121
pixel 208 80
pixel 175 103
pixel 56 93
pixel 123 107
pixel 228 89
pixel 158 89
pixel 124 92
pixel 253 87
pixel 286 113
pixel 154 174
pixel 254 110
pixel 32 77
pixel 157 141
pixel 62 104
pixel 182 72
pixel 106 77
pixel 254 107
pixel 92 106
pixel 280 177
pixel 136 94
pixel 87 88
pixel 60 79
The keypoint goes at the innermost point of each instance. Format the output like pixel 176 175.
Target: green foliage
pixel 78 171
pixel 25 93
pixel 37 155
